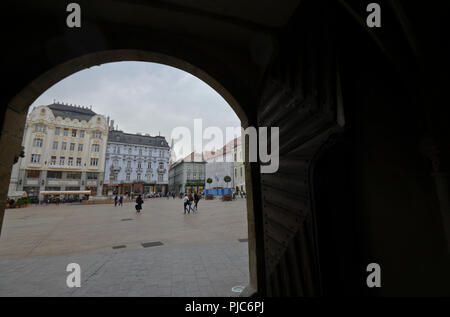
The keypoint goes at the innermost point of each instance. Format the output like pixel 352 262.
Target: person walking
pixel 139 203
pixel 115 201
pixel 191 199
pixel 196 199
pixel 121 200
pixel 186 203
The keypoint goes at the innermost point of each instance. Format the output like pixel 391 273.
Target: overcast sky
pixel 144 97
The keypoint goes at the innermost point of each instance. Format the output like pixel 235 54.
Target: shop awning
pixel 65 192
pixel 17 193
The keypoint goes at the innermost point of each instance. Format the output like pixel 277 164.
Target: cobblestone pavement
pixel 200 253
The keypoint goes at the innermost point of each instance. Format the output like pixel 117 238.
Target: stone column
pixel 10 150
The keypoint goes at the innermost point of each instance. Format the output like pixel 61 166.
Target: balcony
pixel 115 169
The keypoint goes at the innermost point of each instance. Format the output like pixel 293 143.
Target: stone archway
pixel 16 114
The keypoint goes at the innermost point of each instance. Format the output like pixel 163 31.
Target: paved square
pixel 197 254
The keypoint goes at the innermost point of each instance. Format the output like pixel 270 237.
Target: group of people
pixel 118 200
pixel 190 202
pixel 188 199
pixel 139 201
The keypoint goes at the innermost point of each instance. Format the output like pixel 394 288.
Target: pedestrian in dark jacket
pixel 191 199
pixel 121 200
pixel 139 203
pixel 196 199
pixel 115 201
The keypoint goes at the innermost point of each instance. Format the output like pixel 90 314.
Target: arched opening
pixel 316 70
pixel 38 86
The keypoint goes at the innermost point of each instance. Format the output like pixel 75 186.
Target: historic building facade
pixel 187 174
pixel 136 163
pixel 238 166
pixel 64 150
pixel 220 164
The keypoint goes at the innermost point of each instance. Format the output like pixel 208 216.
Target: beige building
pixel 239 168
pixel 64 150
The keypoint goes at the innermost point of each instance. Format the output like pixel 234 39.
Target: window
pixel 55 145
pixel 72 146
pixel 160 178
pixel 91 175
pixel 74 133
pixel 70 163
pixel 161 165
pixel 129 150
pixel 138 177
pixel 54 174
pixel 140 151
pixel 129 164
pixel 33 174
pixel 62 160
pixel 241 170
pixel 64 146
pixel 39 128
pixel 66 132
pixel 80 147
pixel 57 131
pixel 53 160
pixel 95 148
pixel 73 175
pixel 128 177
pixel 78 161
pixel 139 164
pixel 37 142
pixel 35 158
pixel 235 172
pixel 149 164
pixel 94 161
pixel 97 134
pixel 81 133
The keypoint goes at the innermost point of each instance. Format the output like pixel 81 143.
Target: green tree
pixel 209 181
pixel 227 179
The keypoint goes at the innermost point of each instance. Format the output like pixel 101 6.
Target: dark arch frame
pixel 18 106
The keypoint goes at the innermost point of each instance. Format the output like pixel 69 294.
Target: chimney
pixel 111 125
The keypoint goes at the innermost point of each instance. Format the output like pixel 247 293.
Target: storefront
pixel 67 195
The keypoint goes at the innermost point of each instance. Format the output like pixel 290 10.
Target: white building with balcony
pixel 136 163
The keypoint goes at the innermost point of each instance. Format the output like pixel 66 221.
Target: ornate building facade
pixel 136 163
pixel 64 150
pixel 239 166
